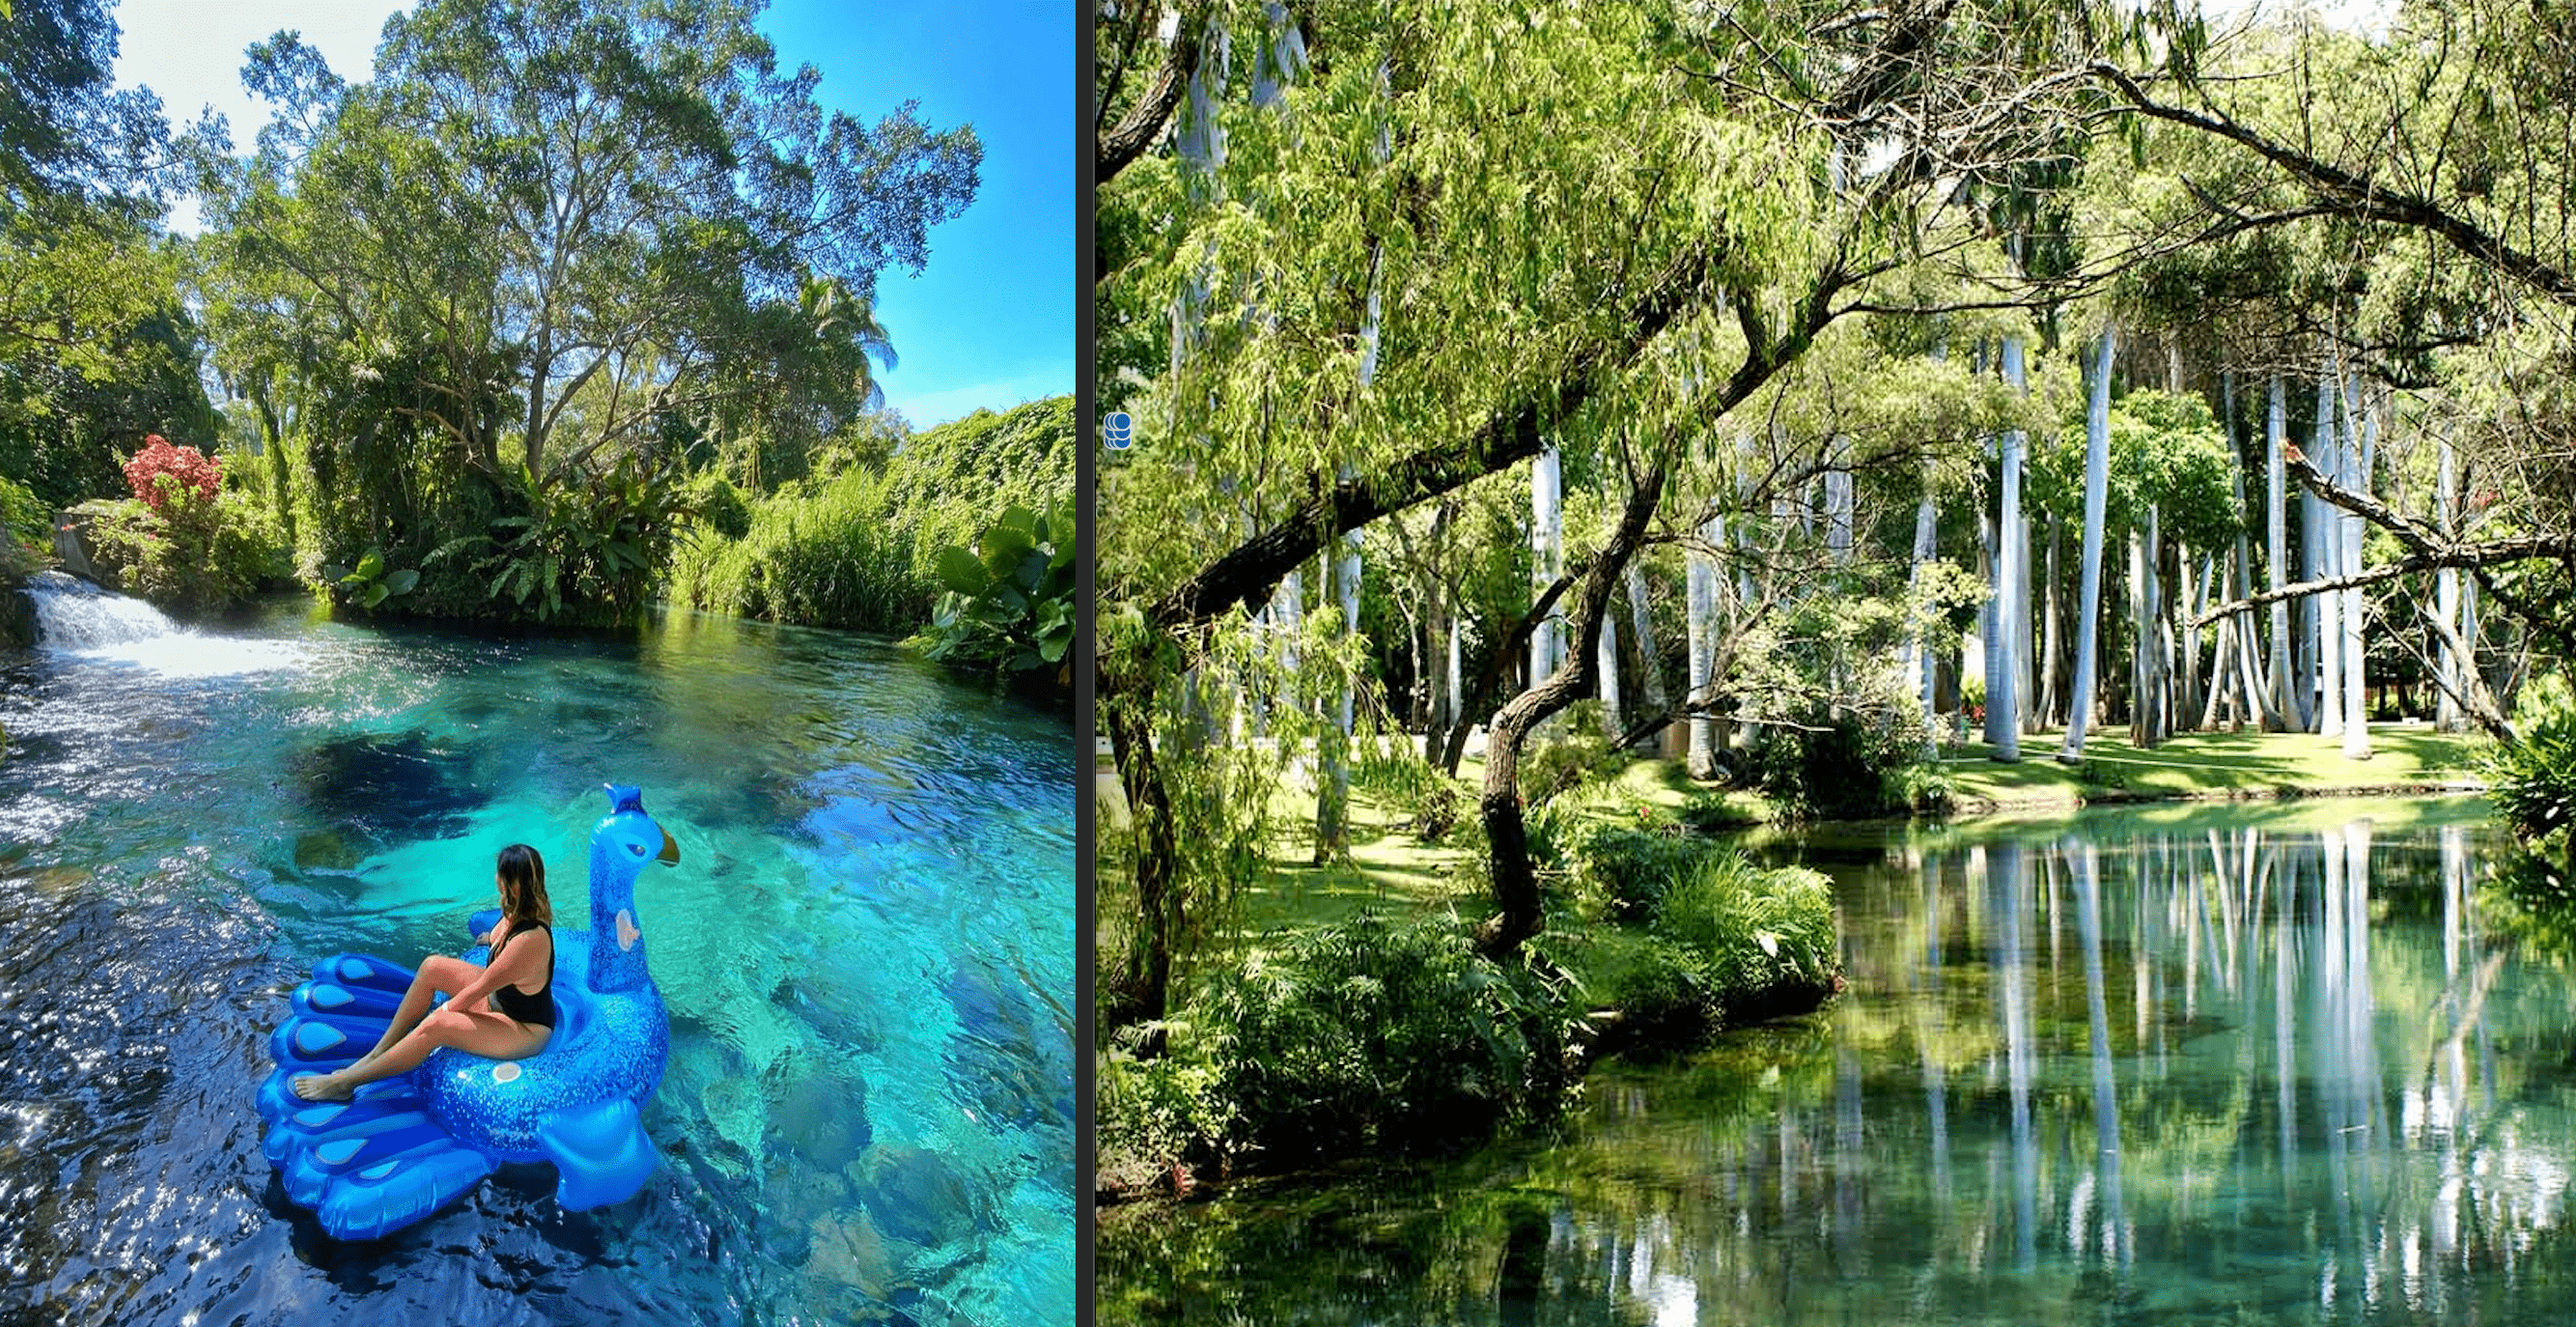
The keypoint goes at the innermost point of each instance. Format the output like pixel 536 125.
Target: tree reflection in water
pixel 2252 1069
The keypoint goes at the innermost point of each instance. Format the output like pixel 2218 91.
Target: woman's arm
pixel 516 963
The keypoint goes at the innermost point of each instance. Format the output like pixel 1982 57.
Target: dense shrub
pixel 859 546
pixel 1624 871
pixel 1768 934
pixel 841 555
pixel 717 507
pixel 1371 1036
pixel 1722 938
pixel 1661 988
pixel 587 553
pixel 1158 1115
pixel 162 474
pixel 1397 777
pixel 26 532
pixel 2532 782
pixel 1574 756
pixel 195 555
pixel 23 516
pixel 1846 766
pixel 1008 599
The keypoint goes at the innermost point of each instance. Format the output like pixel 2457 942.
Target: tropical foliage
pixel 1009 598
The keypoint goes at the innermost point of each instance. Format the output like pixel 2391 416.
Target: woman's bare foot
pixel 320 1087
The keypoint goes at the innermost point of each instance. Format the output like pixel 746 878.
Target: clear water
pixel 867 951
pixel 2252 1067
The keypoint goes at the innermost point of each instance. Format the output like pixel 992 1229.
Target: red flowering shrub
pixel 186 465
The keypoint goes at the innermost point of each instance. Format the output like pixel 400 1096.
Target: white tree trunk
pixel 1547 517
pixel 2448 716
pixel 2326 545
pixel 2052 673
pixel 1641 623
pixel 1920 657
pixel 2357 455
pixel 1700 576
pixel 2097 458
pixel 1606 656
pixel 2013 576
pixel 2281 707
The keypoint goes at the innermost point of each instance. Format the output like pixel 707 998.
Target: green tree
pixel 549 237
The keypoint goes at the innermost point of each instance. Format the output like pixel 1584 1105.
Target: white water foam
pixel 77 618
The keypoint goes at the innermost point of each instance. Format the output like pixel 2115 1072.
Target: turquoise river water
pixel 867 952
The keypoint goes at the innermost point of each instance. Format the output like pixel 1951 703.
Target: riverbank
pixel 2016 1000
pixel 1388 869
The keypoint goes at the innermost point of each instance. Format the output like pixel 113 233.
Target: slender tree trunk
pixel 1515 881
pixel 2097 458
pixel 2158 699
pixel 1547 547
pixel 1920 654
pixel 2446 592
pixel 1650 659
pixel 2012 583
pixel 2280 709
pixel 2356 456
pixel 1701 572
pixel 2052 678
pixel 2327 564
pixel 1158 897
pixel 1608 668
pixel 1332 754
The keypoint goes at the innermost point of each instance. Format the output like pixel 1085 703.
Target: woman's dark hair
pixel 523 886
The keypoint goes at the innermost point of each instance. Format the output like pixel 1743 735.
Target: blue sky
pixel 988 323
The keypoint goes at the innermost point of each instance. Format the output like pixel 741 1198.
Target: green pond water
pixel 2275 1066
pixel 866 951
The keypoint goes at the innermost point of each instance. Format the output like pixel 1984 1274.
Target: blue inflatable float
pixel 403 1147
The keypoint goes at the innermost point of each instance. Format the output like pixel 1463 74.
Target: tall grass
pixel 860 549
pixel 841 555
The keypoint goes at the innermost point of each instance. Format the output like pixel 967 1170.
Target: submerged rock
pixel 915 1195
pixel 846 1248
pixel 824 1119
pixel 326 850
pixel 405 787
pixel 17 621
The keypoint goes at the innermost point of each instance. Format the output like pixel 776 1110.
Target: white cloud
pixel 190 51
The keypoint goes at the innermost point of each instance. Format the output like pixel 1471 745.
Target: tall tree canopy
pixel 564 227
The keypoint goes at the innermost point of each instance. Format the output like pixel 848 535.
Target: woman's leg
pixel 438 975
pixel 478 1031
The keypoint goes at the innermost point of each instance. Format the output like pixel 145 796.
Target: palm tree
pixel 2276 436
pixel 2324 563
pixel 2097 466
pixel 2012 612
pixel 2356 457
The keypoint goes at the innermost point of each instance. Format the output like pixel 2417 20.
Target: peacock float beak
pixel 670 853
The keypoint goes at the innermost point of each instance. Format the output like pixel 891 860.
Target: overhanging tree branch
pixel 1144 121
pixel 2356 195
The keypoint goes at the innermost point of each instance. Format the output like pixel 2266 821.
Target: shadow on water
pixel 402 787
pixel 2265 1067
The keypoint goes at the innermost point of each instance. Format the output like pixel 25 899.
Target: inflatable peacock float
pixel 403 1147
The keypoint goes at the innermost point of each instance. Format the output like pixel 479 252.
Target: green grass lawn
pixel 2405 758
pixel 1390 870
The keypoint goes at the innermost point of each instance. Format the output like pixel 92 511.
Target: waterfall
pixel 77 619
pixel 72 614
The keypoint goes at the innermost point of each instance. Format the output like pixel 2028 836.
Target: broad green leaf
pixel 961 572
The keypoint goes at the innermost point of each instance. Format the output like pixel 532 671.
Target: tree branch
pixel 1143 122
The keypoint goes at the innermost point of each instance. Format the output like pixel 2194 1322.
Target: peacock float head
pixel 622 844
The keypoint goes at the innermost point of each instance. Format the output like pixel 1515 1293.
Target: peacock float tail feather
pixel 377 1162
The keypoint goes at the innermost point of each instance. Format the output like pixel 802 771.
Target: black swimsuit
pixel 536 1010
